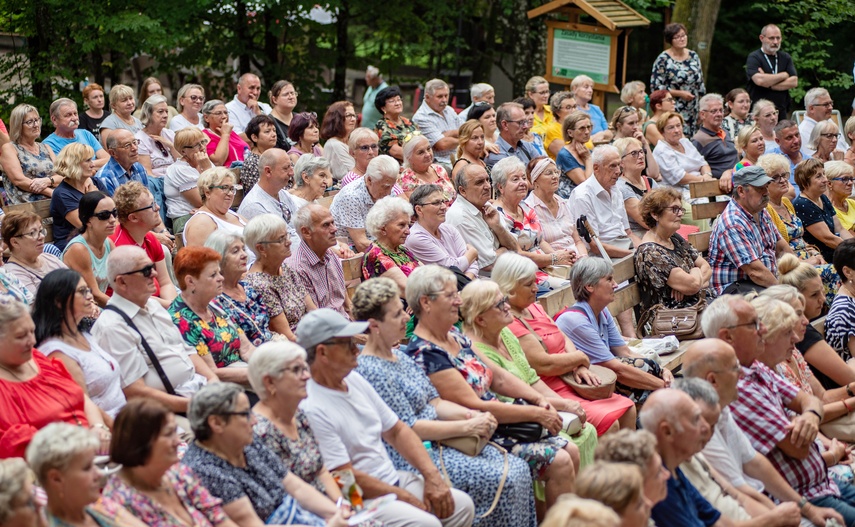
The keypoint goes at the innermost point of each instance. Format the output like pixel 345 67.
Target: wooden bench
pixel 42 208
pixel 352 268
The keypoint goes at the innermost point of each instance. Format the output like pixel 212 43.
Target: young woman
pixel 87 252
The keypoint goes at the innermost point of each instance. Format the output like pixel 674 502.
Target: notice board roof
pixel 612 14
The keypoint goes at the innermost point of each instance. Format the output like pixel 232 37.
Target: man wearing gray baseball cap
pixel 350 422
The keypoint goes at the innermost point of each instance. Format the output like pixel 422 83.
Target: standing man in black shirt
pixel 771 73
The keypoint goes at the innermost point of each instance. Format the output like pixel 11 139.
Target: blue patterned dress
pixel 406 389
pixel 251 315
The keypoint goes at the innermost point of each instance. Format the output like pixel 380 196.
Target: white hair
pixel 598 156
pixel 385 211
pixel 426 280
pixel 719 314
pixel 822 127
pixel 434 84
pixel 703 104
pixel 123 259
pixel 511 269
pixel 372 71
pixel 480 89
pixel 15 475
pixel 411 145
pixel 261 228
pixel 813 94
pixel 579 80
pixel 504 168
pixel 56 445
pixel 381 167
pixel 269 360
pixel 306 167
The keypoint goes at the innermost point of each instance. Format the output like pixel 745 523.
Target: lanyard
pixel 769 62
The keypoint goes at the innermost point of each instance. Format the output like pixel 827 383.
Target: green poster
pixel 579 53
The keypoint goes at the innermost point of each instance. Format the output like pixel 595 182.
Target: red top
pixel 28 406
pixel 151 245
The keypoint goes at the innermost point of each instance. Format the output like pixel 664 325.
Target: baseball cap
pixel 324 324
pixel 752 175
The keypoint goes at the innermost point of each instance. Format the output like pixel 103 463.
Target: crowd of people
pixel 175 358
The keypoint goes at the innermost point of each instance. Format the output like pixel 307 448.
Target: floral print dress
pixel 391 134
pixel 283 293
pixel 409 182
pixel 33 166
pixel 302 456
pixel 220 337
pixel 251 315
pixel 378 260
pixel 686 75
pixel 653 265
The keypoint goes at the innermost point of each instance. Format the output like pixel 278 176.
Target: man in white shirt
pixel 480 92
pixel 246 105
pixel 818 107
pixel 268 196
pixel 438 122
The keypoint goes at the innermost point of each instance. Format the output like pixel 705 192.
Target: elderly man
pixel 246 105
pixel 789 141
pixel 351 422
pixel 599 200
pixel 123 165
pixel 438 122
pixel 713 142
pixel 480 92
pixel 780 420
pixel 729 450
pixel 477 220
pixel 818 107
pixel 268 195
pixel 512 124
pixel 771 73
pixel 352 203
pixel 63 115
pixel 137 218
pixel 375 82
pixel 138 332
pixel 315 259
pixel 745 245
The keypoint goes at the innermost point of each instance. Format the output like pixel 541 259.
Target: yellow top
pixel 540 125
pixel 847 219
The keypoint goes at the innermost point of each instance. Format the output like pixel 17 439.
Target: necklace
pixel 12 373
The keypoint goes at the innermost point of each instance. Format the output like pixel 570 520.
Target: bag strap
pixel 574 309
pixel 151 356
pixel 530 330
pixel 502 481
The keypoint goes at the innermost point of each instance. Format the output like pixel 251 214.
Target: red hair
pixel 190 261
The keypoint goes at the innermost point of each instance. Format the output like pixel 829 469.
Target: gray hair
pixel 785 293
pixel 629 90
pixel 598 156
pixel 122 259
pixel 822 127
pixel 559 97
pixel 504 168
pixel 421 192
pixel 56 445
pixel 698 389
pixel 758 107
pixel 384 211
pixel 57 106
pixel 358 135
pixel 719 314
pixel 10 311
pixel 427 280
pixel 220 240
pixel 269 360
pixel 703 104
pixel 306 167
pixel 372 71
pixel 434 84
pixel 261 228
pixel 381 167
pixel 14 474
pixel 304 217
pixel 461 181
pixel 586 273
pixel 182 92
pixel 411 145
pixel 813 94
pixel 216 398
pixel 271 157
pixel 511 269
pixel 148 108
pixel 480 89
pixel 503 112
pixel 209 106
pixel 579 80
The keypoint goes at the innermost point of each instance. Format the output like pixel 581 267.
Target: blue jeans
pixel 844 504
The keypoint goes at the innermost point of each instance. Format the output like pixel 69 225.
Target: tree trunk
pixel 699 17
pixel 242 35
pixel 342 51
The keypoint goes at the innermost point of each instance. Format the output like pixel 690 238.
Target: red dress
pixel 28 406
pixel 602 413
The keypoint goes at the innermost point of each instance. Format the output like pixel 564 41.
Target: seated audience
pixel 180 187
pixel 583 91
pixel 224 145
pixel 790 145
pixel 312 177
pixel 268 195
pixel 625 124
pixel 190 97
pixel 537 89
pixel 841 175
pixel 204 325
pixel 554 216
pixel 431 240
pixel 471 146
pixel 76 167
pixel 562 104
pixel 217 189
pixel 460 376
pixel 36 391
pixel 633 184
pixel 406 389
pixel 419 168
pixel 574 159
pixel 338 123
pixel 388 223
pixel 765 115
pixel 261 135
pixel 750 144
pixel 281 290
pixel 28 165
pixel 669 270
pixel 122 105
pixel 93 100
pixel 133 317
pixel 849 130
pixel 720 154
pixel 123 165
pixel 304 133
pixel 87 252
pixel 513 125
pixel 438 121
pixel 737 104
pixel 814 208
pixel 12 288
pixel 592 329
pixel 485 114
pixel 341 401
pixel 394 128
pixel 620 487
pixel 63 116
pixel 24 235
pixel 479 92
pixel 530 137
pixel 572 511
pixel 823 141
pixel 839 321
pixel 634 93
pixel 283 97
pixel 245 104
pixel 352 203
pixel 661 102
pixel 638 448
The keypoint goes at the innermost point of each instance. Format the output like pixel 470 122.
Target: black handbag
pixel 509 434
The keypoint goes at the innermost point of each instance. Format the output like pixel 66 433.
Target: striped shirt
pixel 323 279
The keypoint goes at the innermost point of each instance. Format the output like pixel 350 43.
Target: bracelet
pixel 814 412
pixel 553 259
pixel 848 410
pixel 802 502
pixel 100 425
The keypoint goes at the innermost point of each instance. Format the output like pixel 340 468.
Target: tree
pixel 699 17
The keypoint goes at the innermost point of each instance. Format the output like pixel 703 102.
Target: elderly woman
pixel 191 97
pixel 765 115
pixel 151 484
pixel 583 91
pixel 841 175
pixel 254 484
pixel 409 393
pixel 620 486
pixel 24 235
pixel 281 290
pixel 87 252
pixel 244 304
pixel 823 228
pixel 670 271
pixel 678 70
pixel 737 103
pixel 638 448
pixel 556 222
pixel 593 330
pixel 750 142
pixel 305 135
pixel 394 128
pixel 261 134
pixel 27 164
pixel 35 390
pixel 563 104
pixel 62 337
pixel 829 367
pixel 122 104
pixel 363 147
pixel 91 119
pixel 431 240
pixel 63 459
pixel 823 141
pixel 312 177
pixel 633 184
pixel 574 160
pixel 446 356
pixel 661 101
pixel 224 146
pixel 180 186
pixel 388 223
pixel 471 146
pixel 537 89
pixel 573 511
pixel 338 123
pixel 216 187
pixel 283 99
pixel 419 168
pixel 19 506
pixel 634 93
pixel 625 124
pixel 549 352
pixel 202 321
pixel 509 179
pixel 74 164
pixel 157 142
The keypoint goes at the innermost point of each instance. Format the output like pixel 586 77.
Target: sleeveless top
pixel 221 224
pixel 33 166
pixel 99 266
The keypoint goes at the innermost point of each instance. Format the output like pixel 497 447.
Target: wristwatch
pixel 802 502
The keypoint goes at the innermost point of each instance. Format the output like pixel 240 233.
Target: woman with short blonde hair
pixel 620 487
pixel 123 104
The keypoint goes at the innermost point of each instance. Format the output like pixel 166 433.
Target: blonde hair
pixel 772 163
pixel 534 82
pixel 778 317
pixel 579 80
pixel 187 137
pixel 14 474
pixel 478 296
pixel 835 169
pixel 573 511
pixel 16 120
pixel 794 272
pixel 616 485
pixel 624 143
pixel 745 135
pixel 466 130
pixel 119 93
pixel 211 178
pixel 69 159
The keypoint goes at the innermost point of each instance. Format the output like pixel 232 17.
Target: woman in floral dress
pixel 388 222
pixel 678 70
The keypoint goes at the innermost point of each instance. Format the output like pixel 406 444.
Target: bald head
pixel 678 424
pixel 663 406
pixel 704 356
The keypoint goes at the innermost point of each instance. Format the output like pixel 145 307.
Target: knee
pixel 561 467
pixel 464 510
pixel 575 456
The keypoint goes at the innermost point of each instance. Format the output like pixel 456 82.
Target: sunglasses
pixel 104 215
pixel 145 271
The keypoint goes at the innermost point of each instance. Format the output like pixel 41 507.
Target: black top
pixel 770 64
pixel 92 124
pixel 812 336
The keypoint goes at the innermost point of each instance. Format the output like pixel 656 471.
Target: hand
pixel 685 95
pixel 585 376
pixel 226 129
pixel 725 183
pixel 166 239
pixel 819 515
pixel 438 497
pixel 492 148
pixel 676 295
pixel 408 497
pixel 804 429
pixel 39 184
pixel 787 514
pixel 575 408
pixel 491 215
pixel 344 251
pixel 583 151
pixel 639 136
pixel 573 257
pixel 339 519
pixel 668 377
pixel 483 425
pixel 104 436
pixel 839 452
pixel 549 419
pixel 252 104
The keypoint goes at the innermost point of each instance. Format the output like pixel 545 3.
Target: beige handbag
pixel 594 393
pixel 469 445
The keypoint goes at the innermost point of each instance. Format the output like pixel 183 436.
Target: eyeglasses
pixel 104 215
pixel 220 113
pixel 676 209
pixel 145 271
pixel 350 116
pixel 297 370
pixel 366 148
pixel 502 304
pixel 522 121
pixel 714 112
pixel 228 189
pixel 33 235
pixel 635 153
pixel 153 206
pixel 450 296
pixel 197 146
pixel 542 92
pixel 828 136
pixel 246 413
pixel 828 104
pixel 844 180
pixel 311 116
pixel 85 291
pixel 437 203
pixel 777 178
pixel 196 98
pixel 755 323
pixel 33 122
pixel 770 114
pixel 135 142
pixel 669 98
pixel 282 239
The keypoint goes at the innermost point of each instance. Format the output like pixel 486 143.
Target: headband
pixel 539 168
